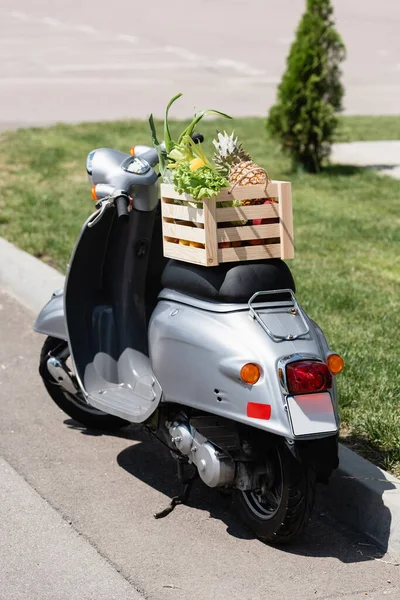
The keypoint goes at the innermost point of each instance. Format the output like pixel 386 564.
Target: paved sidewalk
pixel 384 156
pixel 43 557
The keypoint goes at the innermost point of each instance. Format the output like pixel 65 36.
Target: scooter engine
pixel 215 468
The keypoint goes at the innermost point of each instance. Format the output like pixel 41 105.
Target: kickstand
pixel 182 498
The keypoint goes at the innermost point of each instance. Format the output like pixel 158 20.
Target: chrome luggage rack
pixel 293 308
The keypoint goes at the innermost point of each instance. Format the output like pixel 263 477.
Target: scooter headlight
pixel 89 163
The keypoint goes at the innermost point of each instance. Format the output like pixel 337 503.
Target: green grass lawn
pixel 347 241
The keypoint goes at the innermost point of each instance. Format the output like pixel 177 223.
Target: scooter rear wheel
pixel 73 405
pixel 280 509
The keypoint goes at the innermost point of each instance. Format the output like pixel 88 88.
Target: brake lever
pixel 104 204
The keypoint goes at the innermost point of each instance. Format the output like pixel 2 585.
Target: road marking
pixel 50 21
pixel 32 81
pixel 124 37
pixel 29 81
pixel 240 67
pixel 240 81
pixel 132 66
pixel 187 55
pixel 85 29
pixel 285 41
pixel 20 15
pixel 182 52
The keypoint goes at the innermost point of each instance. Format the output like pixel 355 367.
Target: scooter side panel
pixel 51 319
pixel 197 356
pixel 105 316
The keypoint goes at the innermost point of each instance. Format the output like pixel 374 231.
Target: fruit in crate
pixel 196 163
pixel 266 221
pixel 257 242
pixel 232 161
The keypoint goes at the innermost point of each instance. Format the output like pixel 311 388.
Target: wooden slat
pixel 253 232
pixel 183 232
pixel 168 191
pixel 185 253
pixel 184 213
pixel 246 192
pixel 249 253
pixel 286 219
pixel 210 228
pixel 244 213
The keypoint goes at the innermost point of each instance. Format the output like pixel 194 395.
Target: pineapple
pixel 235 163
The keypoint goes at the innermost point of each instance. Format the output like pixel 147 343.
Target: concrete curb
pixel 26 278
pixel 366 498
pixel 359 493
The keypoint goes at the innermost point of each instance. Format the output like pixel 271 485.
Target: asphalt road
pixel 76 514
pixel 74 61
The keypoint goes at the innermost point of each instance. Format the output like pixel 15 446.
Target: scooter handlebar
pixel 121 204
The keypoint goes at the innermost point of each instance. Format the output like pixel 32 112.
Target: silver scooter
pixel 221 364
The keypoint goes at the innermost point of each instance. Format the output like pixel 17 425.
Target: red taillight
pixel 307 376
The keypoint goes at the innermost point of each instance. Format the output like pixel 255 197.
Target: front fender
pixel 51 319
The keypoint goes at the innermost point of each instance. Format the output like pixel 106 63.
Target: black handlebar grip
pixel 198 138
pixel 121 204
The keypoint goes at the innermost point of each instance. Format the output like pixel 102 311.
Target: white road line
pixel 132 66
pixel 285 41
pixel 182 52
pixel 32 81
pixel 50 21
pixel 29 81
pixel 124 37
pixel 85 29
pixel 196 59
pixel 19 15
pixel 240 81
pixel 240 67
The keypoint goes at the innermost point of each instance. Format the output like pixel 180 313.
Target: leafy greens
pixel 201 183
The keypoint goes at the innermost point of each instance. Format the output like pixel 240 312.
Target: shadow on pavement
pixel 357 494
pixel 130 432
pixel 152 463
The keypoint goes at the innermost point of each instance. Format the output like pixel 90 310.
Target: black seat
pixel 229 282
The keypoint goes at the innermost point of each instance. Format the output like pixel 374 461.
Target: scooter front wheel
pixel 279 510
pixel 73 405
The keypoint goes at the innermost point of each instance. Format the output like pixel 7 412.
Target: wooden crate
pixel 211 226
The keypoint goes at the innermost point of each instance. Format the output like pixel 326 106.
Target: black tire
pixel 280 512
pixel 74 405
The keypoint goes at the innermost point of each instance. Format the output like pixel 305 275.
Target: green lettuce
pixel 201 183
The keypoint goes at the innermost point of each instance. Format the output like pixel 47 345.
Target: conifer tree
pixel 310 94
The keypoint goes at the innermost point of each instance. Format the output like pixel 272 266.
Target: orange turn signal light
pixel 94 196
pixel 250 373
pixel 335 363
pixel 132 151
